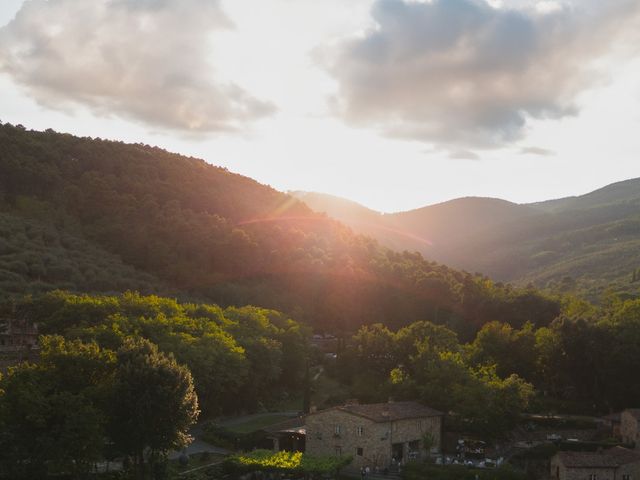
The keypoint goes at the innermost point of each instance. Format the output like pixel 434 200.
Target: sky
pixel 395 104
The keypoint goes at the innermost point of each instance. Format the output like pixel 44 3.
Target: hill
pixel 206 233
pixel 584 244
pixel 36 257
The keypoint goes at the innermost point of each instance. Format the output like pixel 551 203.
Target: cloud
pixel 543 152
pixel 463 155
pixel 470 74
pixel 148 60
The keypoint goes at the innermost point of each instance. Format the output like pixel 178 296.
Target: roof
pixel 392 411
pixel 611 458
pixel 294 425
pixel 613 417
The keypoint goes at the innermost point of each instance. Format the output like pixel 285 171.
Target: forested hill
pixel 172 224
pixel 585 244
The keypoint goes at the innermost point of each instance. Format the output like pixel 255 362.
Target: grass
pixel 197 464
pixel 257 423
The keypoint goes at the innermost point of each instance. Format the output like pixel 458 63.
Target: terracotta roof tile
pixel 384 412
pixel 611 458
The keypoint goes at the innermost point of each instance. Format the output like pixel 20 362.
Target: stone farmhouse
pixel 376 435
pixel 18 342
pixel 16 335
pixel 616 463
pixel 630 426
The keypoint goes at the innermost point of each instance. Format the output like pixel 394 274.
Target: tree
pixel 509 349
pixel 481 400
pixel 50 415
pixel 427 443
pixel 409 338
pixel 153 404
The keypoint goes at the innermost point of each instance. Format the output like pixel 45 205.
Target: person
pixel 362 473
pixel 367 471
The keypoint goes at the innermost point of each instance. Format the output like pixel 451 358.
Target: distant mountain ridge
pixel 585 243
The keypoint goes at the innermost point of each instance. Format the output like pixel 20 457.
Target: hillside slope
pixel 210 234
pixel 584 244
pixel 37 256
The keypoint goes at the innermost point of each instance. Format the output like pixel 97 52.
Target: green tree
pixel 51 420
pixel 480 400
pixel 153 404
pixel 509 349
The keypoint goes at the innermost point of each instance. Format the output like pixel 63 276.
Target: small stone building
pixel 17 335
pixel 18 342
pixel 630 426
pixel 376 435
pixel 616 463
pixel 289 435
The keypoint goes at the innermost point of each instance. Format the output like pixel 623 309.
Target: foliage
pixel 211 234
pixel 52 414
pixel 37 256
pixel 578 364
pixel 239 357
pixel 266 460
pixel 67 412
pixel 510 350
pixel 152 403
pixel 426 361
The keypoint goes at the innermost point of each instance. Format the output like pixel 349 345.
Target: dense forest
pixel 580 363
pixel 177 225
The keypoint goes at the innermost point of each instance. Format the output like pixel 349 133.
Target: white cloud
pixel 541 152
pixel 147 60
pixel 468 74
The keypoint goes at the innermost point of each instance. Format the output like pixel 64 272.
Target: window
pixel 419 425
pixel 338 451
pixel 337 430
pixel 593 476
pixel 360 431
pixel 626 477
pixel 359 452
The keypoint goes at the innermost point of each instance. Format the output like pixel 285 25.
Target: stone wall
pixel 629 430
pixel 560 472
pixel 404 431
pixel 631 469
pixel 334 432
